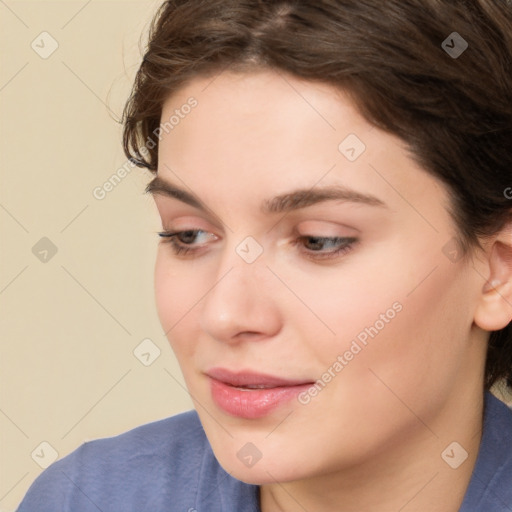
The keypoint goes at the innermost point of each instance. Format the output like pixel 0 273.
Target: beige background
pixel 69 325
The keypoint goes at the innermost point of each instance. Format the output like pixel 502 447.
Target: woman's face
pixel 364 294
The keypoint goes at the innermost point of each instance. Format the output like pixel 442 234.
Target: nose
pixel 241 303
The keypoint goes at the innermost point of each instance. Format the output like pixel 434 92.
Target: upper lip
pixel 250 378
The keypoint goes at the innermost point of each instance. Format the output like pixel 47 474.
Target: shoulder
pixel 163 465
pixel 490 489
pixel 180 437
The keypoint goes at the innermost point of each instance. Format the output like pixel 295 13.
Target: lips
pixel 251 395
pixel 253 380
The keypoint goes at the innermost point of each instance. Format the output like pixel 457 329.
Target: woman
pixel 335 274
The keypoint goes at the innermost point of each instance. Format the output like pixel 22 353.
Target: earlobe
pixel 494 309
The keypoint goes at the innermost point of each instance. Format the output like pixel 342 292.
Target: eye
pixel 341 246
pixel 314 247
pixel 181 241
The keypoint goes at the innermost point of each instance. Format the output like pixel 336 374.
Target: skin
pixel 372 439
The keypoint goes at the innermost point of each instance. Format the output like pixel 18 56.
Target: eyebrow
pixel 284 203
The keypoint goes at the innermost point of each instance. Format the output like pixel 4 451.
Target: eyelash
pixel 345 244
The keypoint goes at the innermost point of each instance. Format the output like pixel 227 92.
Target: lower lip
pixel 253 403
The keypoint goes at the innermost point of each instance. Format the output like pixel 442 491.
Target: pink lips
pixel 252 395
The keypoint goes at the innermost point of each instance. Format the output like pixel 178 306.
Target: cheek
pixel 176 294
pixel 409 327
pixel 418 354
pixel 165 301
pixel 338 305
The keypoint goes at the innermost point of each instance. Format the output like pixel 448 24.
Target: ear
pixel 494 308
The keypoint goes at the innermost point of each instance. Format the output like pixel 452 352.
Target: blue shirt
pixel 169 466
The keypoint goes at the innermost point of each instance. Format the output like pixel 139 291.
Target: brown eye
pixel 181 242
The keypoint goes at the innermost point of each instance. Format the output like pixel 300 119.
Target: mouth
pixel 252 395
pixel 253 380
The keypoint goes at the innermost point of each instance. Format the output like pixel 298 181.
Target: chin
pixel 261 474
pixel 274 465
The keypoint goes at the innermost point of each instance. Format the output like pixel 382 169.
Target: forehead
pixel 263 93
pixel 262 122
pixel 258 134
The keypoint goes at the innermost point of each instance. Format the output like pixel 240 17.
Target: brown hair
pixel 393 58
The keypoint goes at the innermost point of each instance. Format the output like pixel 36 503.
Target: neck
pixel 408 474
